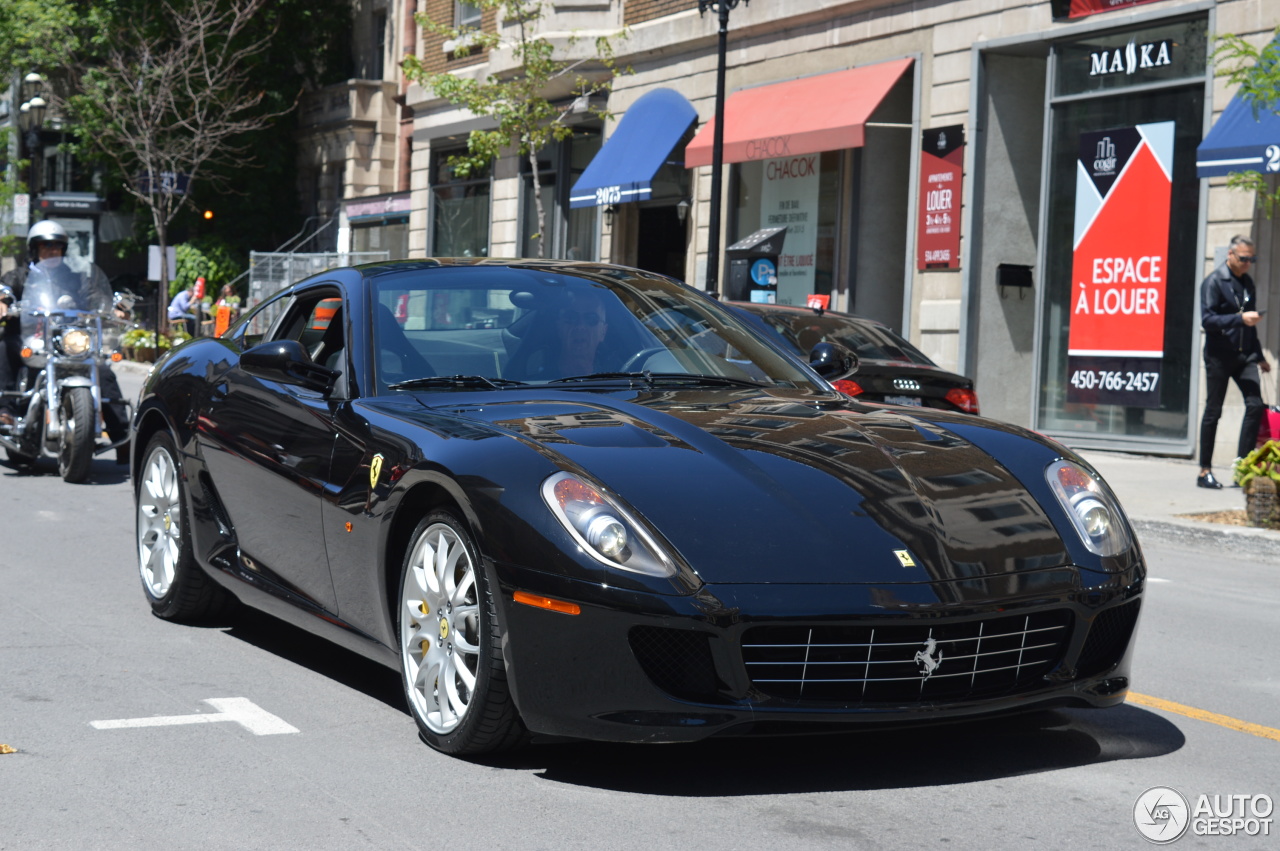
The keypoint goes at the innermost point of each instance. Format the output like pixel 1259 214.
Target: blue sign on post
pixel 164 183
pixel 764 273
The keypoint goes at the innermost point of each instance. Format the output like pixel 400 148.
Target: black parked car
pixel 583 500
pixel 890 368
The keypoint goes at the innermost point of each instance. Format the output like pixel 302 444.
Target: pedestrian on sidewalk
pixel 1232 352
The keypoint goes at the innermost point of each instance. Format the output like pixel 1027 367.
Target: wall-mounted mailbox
pixel 1013 275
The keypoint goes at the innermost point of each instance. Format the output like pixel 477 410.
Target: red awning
pixel 827 112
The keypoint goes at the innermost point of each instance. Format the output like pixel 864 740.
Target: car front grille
pixel 905 663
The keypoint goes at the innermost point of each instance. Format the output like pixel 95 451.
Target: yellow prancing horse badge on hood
pixel 904 556
pixel 375 470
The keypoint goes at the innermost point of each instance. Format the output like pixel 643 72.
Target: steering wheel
pixel 640 357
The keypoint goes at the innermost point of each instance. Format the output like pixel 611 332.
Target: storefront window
pixel 803 194
pixel 390 235
pixel 1162 413
pixel 571 233
pixel 460 211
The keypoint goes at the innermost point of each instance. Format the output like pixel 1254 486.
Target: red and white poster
pixel 1083 8
pixel 941 175
pixel 1120 265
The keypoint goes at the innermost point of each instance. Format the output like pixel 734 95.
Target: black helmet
pixel 46 231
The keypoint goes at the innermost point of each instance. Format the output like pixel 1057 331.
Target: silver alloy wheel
pixel 159 523
pixel 440 628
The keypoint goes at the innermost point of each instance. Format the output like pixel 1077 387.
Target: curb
pixel 1237 540
pixel 132 367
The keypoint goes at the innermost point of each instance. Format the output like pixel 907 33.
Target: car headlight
pixel 604 529
pixel 76 341
pixel 1092 509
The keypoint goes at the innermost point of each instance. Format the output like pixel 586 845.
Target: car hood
pixel 756 487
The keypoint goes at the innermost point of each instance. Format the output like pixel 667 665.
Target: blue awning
pixel 642 142
pixel 1240 142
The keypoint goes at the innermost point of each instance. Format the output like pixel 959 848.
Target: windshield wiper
pixel 698 378
pixel 456 382
pixel 603 376
pixel 651 378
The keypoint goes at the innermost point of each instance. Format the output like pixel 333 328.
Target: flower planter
pixel 1261 506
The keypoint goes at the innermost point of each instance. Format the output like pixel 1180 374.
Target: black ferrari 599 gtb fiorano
pixel 581 500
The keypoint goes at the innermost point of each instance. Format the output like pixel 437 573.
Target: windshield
pixel 536 324
pixel 58 284
pixel 872 342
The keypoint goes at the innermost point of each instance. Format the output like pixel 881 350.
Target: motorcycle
pixel 71 325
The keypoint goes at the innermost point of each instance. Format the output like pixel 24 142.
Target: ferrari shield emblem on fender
pixel 375 470
pixel 904 556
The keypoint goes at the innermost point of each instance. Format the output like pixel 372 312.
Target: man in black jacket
pixel 1229 315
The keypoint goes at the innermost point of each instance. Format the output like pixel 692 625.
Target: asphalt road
pixel 78 645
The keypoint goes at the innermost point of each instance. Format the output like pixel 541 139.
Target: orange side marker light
pixel 547 603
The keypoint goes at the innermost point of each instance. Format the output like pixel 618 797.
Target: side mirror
pixel 287 362
pixel 833 361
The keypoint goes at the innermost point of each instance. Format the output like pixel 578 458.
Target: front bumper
pixel 770 659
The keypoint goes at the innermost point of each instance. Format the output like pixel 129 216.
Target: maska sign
pixel 1115 347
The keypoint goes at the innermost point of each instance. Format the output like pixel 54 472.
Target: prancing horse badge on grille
pixel 925 658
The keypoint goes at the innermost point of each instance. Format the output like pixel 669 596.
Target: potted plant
pixel 139 344
pixel 1258 474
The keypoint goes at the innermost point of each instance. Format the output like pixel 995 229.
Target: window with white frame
pixel 466 15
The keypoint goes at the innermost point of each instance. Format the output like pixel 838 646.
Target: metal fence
pixel 271 271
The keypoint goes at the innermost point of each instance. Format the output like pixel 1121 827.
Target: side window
pixel 315 321
pixel 252 328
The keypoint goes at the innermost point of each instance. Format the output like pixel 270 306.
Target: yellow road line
pixel 1202 715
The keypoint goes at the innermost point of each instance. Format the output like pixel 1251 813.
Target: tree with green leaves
pixel 525 104
pixel 163 90
pixel 1256 70
pixel 27 28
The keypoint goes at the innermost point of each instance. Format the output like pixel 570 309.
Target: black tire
pixel 176 587
pixel 75 447
pixel 488 721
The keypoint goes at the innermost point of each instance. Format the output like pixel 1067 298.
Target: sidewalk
pixel 1154 491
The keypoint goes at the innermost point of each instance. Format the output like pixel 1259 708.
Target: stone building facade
pixel 1014 87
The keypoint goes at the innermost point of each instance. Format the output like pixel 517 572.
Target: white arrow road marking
pixel 241 710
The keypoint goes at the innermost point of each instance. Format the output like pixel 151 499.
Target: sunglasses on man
pixel 1245 258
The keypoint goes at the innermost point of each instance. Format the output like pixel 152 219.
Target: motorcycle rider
pixel 47 243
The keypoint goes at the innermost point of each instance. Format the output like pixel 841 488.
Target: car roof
pixel 801 310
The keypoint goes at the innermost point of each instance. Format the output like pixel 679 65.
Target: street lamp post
pixel 723 8
pixel 31 120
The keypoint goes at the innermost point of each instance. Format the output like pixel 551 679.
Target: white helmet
pixel 46 231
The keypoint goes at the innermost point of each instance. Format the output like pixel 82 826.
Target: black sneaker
pixel 1206 480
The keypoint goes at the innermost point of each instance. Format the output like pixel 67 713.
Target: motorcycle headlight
pixel 76 341
pixel 605 530
pixel 1093 510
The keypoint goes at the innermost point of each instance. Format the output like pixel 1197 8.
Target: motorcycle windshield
pixel 54 285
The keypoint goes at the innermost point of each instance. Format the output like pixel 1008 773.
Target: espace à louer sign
pixel 1119 266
